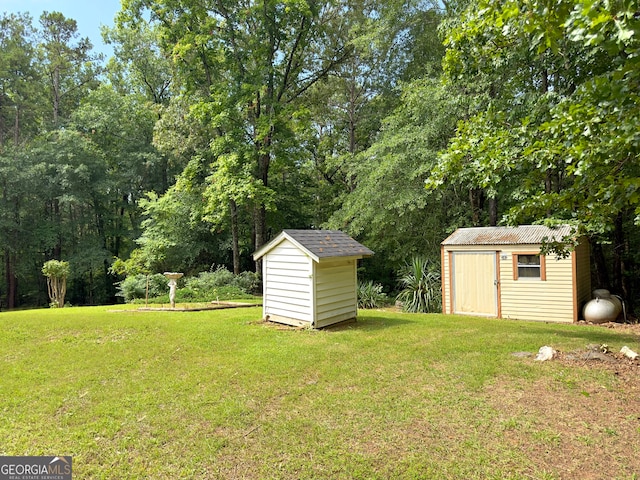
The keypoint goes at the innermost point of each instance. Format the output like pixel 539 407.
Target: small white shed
pixel 310 277
pixel 499 272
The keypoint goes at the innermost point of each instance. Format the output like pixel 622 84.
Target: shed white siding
pixel 445 276
pixel 310 277
pixel 288 284
pixel 336 295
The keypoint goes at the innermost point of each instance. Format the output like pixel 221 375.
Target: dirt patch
pixel 633 328
pixel 601 357
pixel 589 432
pixel 582 420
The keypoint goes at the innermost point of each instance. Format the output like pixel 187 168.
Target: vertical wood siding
pixel 474 289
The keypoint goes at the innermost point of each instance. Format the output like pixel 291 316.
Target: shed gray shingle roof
pixel 521 235
pixel 320 244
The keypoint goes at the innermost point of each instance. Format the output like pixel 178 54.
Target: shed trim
pixel 318 245
pixel 451 281
pixel 574 285
pixel 498 285
pixel 442 276
pixel 543 264
pixel 314 294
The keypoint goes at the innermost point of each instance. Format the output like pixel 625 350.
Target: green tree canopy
pixel 556 135
pixel 561 131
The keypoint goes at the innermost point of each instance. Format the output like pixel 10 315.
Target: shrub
pixel 370 295
pixel 187 295
pixel 207 281
pixel 249 282
pixel 220 284
pixel 56 273
pixel 421 292
pixel 135 286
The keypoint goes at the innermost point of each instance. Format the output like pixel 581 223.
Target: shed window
pixel 529 266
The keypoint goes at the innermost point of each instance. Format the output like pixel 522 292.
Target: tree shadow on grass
pixel 369 323
pixel 590 335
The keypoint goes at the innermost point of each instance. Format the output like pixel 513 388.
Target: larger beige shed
pixel 310 277
pixel 499 272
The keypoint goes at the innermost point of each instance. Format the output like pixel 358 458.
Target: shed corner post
pixel 574 285
pixel 498 284
pixel 314 292
pixel 263 273
pixel 443 289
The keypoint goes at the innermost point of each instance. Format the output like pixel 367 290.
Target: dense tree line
pixel 76 156
pixel 218 123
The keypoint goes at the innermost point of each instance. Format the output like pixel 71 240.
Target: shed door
pixel 475 283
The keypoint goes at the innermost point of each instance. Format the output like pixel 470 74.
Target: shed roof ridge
pixel 319 243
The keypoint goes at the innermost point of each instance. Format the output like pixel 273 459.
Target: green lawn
pixel 220 394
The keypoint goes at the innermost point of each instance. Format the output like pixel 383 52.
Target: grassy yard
pixel 219 394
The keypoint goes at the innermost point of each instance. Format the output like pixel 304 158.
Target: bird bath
pixel 173 283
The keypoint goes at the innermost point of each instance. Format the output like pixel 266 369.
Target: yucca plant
pixel 421 290
pixel 370 295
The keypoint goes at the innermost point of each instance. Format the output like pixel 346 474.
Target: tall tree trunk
pixel 600 266
pixel 57 249
pixel 493 211
pixel 11 280
pixel 260 222
pixel 91 287
pixel 475 199
pixel 10 257
pixel 352 117
pixel 165 174
pixel 260 217
pixel 55 80
pixel 618 255
pixel 1 125
pixel 234 237
pixel 544 85
pixel 120 218
pixel 16 129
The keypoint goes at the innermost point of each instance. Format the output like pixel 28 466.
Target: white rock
pixel 545 353
pixel 628 353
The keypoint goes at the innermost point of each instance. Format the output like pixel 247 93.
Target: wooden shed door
pixel 475 283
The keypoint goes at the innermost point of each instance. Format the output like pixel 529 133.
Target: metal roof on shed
pixel 521 235
pixel 319 244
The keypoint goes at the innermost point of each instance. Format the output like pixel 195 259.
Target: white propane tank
pixel 603 308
